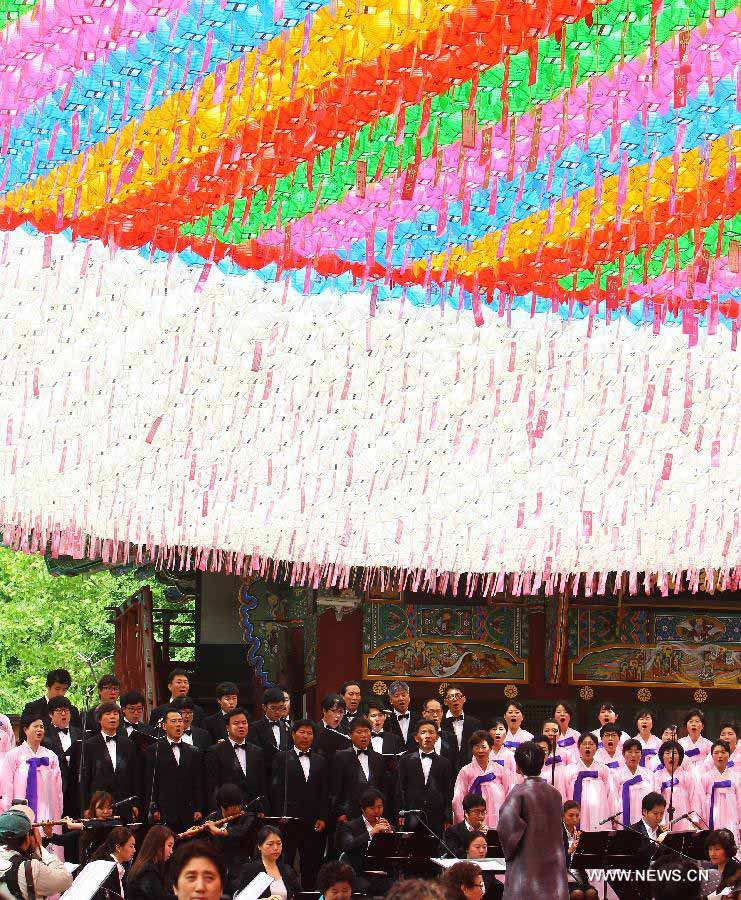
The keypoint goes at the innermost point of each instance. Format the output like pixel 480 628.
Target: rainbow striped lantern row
pixel 486 318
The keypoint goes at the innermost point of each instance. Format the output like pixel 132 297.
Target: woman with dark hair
pixel 644 724
pixel 677 784
pixel 719 791
pixel 483 777
pixel 285 883
pixel 198 871
pixel 335 881
pixel 146 879
pixel 516 734
pixel 463 881
pixel 721 848
pixel 119 846
pixel 563 714
pixel 696 745
pixel 99 823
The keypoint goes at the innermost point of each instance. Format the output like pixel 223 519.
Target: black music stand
pixel 407 853
pixel 613 850
pixel 690 843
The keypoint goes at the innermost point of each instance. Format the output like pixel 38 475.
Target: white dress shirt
pixel 276 732
pixel 241 754
pixel 377 742
pixel 403 723
pixel 111 748
pixel 65 740
pixel 426 766
pixel 457 728
pixel 304 762
pixel 175 750
pixel 363 760
pixel 187 738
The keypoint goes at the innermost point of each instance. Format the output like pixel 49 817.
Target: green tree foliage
pixel 46 622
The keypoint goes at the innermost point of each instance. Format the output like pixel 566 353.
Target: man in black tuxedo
pixel 425 780
pixel 474 816
pixel 64 739
pixel 269 732
pixel 653 807
pixel 58 682
pixel 299 788
pixel 458 723
pixel 227 696
pixel 132 709
pixel 236 761
pixel 178 685
pixel 445 745
pixel 192 734
pixel 355 770
pixel 382 741
pixel 354 836
pixel 351 694
pixel 173 777
pixel 327 736
pixel 109 763
pixel 401 722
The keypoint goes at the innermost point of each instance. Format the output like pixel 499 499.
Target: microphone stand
pixel 670 807
pixel 282 726
pixel 554 750
pixel 659 844
pixel 87 696
pixel 155 772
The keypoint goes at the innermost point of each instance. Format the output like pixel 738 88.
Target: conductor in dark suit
pixel 109 762
pixel 173 777
pixel 531 832
pixel 458 723
pixel 299 788
pixel 236 761
pixel 64 740
pixel 270 733
pixel 355 770
pixel 58 682
pixel 354 836
pixel 425 780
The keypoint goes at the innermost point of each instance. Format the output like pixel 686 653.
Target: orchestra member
pixel 230 838
pixel 147 878
pixel 578 883
pixel 120 846
pixel 653 808
pixel 481 776
pixel 285 883
pixel 721 848
pixel 236 761
pixel 474 820
pixel 354 835
pixel 227 697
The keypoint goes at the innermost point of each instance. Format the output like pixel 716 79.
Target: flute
pixel 197 829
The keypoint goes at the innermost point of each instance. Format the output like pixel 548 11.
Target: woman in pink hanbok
pixel 719 792
pixel 31 772
pixel 589 783
pixel 632 782
pixel 676 783
pixel 644 724
pixel 567 736
pixel 516 735
pixel 483 777
pixel 500 754
pixel 554 767
pixel 728 732
pixel 695 746
pixel 7 738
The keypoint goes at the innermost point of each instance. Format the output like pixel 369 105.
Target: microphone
pixel 610 818
pixel 407 812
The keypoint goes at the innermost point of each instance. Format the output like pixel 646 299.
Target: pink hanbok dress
pixel 683 799
pixel 512 741
pixel 695 753
pixel 630 789
pixel 624 736
pixel 593 789
pixel 492 783
pixel 613 763
pixel 555 773
pixel 568 745
pixel 719 796
pixel 650 749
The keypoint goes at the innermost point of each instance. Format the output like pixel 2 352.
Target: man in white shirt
pixel 24 861
pixel 653 808
pixel 400 720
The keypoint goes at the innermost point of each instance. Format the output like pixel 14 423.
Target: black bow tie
pixel 240 746
pixel 62 730
pixel 456 718
pixel 428 756
pixel 361 752
pixel 188 731
pixel 305 753
pixel 109 738
pixel 402 716
pixel 175 744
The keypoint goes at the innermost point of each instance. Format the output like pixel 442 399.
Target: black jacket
pixel 159 711
pixel 66 760
pixel 96 770
pixel 456 837
pixel 349 781
pixel 201 738
pixel 648 849
pixel 392 742
pixel 470 724
pixel 222 767
pixel 261 735
pixel 433 798
pixel 39 709
pixel 352 840
pixel 147 885
pixel 251 869
pixel 392 726
pixel 215 725
pixel 308 800
pixel 177 790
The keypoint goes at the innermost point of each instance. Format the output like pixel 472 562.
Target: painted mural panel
pixel 650 647
pixel 473 643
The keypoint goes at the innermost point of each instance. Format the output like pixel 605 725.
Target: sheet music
pixel 255 887
pixel 88 882
pixel 486 865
